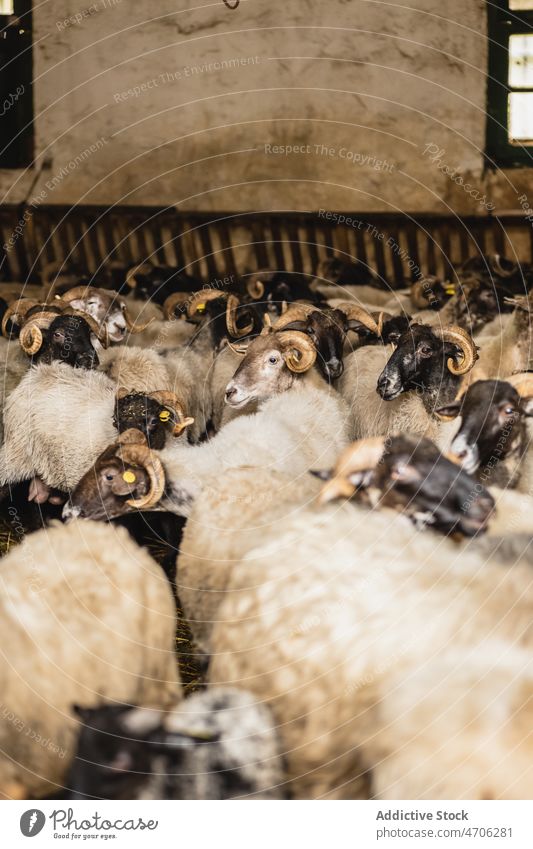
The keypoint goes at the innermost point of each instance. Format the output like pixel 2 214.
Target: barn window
pixel 510 86
pixel 16 102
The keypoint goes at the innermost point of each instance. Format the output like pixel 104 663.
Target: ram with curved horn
pixel 107 308
pixel 274 361
pixel 158 415
pixel 204 303
pixel 494 435
pixel 282 435
pixel 425 369
pixel 67 337
pixel 73 416
pixel 417 363
pixel 327 330
pixel 271 289
pixel 174 304
pixel 431 293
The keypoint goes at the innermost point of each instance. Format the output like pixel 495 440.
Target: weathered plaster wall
pixel 181 100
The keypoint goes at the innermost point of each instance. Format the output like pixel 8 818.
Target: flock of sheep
pixel 339 478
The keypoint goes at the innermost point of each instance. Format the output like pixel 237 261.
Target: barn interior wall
pixel 349 104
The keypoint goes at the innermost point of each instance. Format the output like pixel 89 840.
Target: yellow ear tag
pixel 450 290
pixel 200 308
pixel 129 477
pixel 164 416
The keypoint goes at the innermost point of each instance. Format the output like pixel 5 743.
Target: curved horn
pixel 78 293
pixel 130 275
pixel 522 382
pixel 203 297
pixel 231 319
pixel 255 288
pixel 17 308
pixel 31 338
pixel 99 331
pixel 360 456
pixel 170 304
pixel 464 341
pixel 295 312
pixel 241 350
pixel 306 355
pixel 138 454
pixel 496 266
pixel 353 312
pixel 417 294
pixel 170 399
pixel 132 326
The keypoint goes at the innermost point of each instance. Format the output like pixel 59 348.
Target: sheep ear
pixel 448 411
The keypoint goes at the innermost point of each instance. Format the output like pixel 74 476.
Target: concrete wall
pixel 275 105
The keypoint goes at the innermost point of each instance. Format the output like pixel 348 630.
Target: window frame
pixel 502 23
pixel 16 124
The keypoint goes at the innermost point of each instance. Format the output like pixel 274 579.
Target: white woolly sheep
pixel 57 422
pixel 340 614
pixel 88 617
pixel 293 432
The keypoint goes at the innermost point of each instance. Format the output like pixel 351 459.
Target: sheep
pixel 340 614
pixel 284 354
pixel 493 438
pixel 58 421
pixel 235 510
pixel 55 331
pixel 429 365
pixel 183 372
pixel 217 744
pixel 88 617
pixel 107 308
pixel 294 432
pixel 270 290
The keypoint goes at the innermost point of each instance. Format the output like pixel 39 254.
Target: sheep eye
pixel 509 411
pixel 109 476
pixel 273 360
